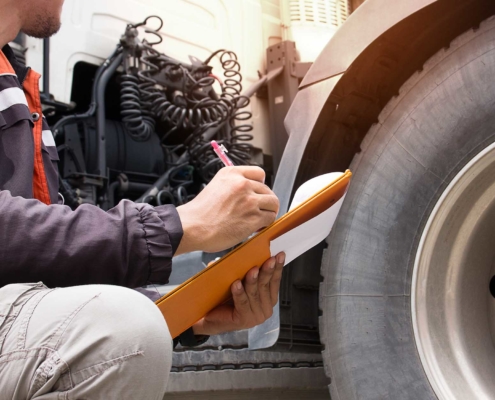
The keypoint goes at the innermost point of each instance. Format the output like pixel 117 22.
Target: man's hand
pixel 232 206
pixel 253 302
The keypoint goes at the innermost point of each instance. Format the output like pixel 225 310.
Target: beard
pixel 43 26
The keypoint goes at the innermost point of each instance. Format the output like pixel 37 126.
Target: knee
pixel 93 326
pixel 117 321
pixel 135 324
pixel 132 317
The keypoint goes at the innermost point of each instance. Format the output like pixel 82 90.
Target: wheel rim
pixel 453 310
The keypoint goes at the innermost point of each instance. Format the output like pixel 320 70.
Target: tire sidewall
pixel 442 118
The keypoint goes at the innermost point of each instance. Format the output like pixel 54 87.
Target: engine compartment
pixel 146 134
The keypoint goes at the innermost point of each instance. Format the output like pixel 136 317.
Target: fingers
pixel 242 313
pixel 268 203
pixel 262 286
pixel 241 300
pixel 266 274
pixel 254 301
pixel 253 173
pixel 258 199
pixel 276 278
pixel 266 218
pixel 261 188
pixel 252 291
pixel 267 200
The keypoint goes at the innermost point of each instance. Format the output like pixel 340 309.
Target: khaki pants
pixel 86 342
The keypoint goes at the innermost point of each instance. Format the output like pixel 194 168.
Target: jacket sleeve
pixel 130 245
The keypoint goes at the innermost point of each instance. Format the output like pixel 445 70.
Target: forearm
pixel 129 245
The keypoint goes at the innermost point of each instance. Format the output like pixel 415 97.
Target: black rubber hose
pixel 131 186
pixel 100 113
pixel 92 105
pixel 167 194
pixel 162 180
pixel 111 193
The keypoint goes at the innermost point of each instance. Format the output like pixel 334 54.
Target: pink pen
pixel 221 150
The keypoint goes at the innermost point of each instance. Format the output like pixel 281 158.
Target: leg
pixel 97 342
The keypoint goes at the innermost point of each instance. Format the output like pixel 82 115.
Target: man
pixel 100 341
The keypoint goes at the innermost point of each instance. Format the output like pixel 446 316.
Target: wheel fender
pixel 363 28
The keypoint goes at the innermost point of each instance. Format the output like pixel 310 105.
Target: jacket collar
pixel 20 69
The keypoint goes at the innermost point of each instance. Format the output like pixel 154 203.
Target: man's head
pixel 40 18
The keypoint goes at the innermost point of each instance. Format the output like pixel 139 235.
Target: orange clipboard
pixel 191 301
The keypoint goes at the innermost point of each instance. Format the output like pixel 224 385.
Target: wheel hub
pixel 453 287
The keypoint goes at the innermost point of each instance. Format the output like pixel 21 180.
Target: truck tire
pixel 407 311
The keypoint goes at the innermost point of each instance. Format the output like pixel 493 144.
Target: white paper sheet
pixel 307 235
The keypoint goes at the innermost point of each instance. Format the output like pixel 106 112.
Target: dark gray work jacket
pixel 130 245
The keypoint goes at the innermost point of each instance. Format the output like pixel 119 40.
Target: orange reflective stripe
pixel 5 67
pixel 32 92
